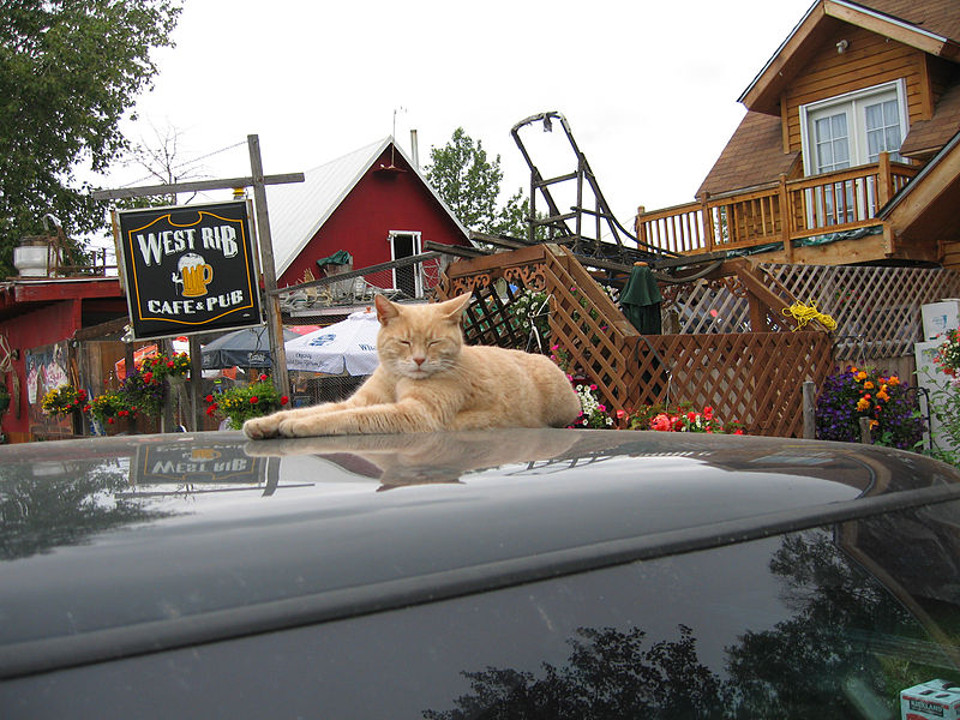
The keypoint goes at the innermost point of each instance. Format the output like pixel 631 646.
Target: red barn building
pixel 373 203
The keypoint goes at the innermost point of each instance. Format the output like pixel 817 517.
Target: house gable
pixel 916 25
pixel 390 195
pixel 879 49
pixel 352 203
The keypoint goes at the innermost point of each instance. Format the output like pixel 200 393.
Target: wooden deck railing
pixel 779 212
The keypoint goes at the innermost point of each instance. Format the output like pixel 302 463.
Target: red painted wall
pixel 34 328
pixel 380 202
pixel 36 314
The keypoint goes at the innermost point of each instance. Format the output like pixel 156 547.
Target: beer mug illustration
pixel 204 454
pixel 195 275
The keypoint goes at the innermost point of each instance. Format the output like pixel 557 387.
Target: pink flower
pixel 621 414
pixel 662 422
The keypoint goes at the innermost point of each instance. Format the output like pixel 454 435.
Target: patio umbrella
pixel 641 299
pixel 246 348
pixel 349 346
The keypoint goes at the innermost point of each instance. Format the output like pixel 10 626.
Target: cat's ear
pixel 453 309
pixel 386 310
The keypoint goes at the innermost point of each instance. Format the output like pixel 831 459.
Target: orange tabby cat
pixel 429 380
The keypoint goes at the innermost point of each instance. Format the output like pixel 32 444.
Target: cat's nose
pixel 419 361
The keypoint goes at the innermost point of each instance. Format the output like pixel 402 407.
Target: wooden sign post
pixel 258 181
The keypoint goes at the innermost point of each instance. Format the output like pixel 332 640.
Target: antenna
pixel 393 133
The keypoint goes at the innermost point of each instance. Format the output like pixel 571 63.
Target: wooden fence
pixel 752 377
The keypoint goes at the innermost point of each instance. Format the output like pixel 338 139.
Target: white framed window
pixel 854 128
pixel 408 279
pixel 845 131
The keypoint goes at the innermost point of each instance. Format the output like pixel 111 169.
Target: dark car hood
pixel 123 545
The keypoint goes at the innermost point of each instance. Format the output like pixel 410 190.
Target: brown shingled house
pixel 849 151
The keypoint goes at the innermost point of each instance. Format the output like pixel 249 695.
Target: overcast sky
pixel 649 88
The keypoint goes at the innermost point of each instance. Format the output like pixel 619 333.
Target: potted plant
pixel 62 400
pixel 237 405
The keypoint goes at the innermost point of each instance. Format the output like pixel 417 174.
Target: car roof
pixel 132 544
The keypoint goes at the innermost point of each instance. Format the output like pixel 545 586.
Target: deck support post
pixel 785 220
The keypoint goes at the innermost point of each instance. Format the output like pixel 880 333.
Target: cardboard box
pixel 933 700
pixel 939 317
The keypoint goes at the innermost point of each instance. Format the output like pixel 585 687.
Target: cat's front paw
pixel 262 427
pixel 297 428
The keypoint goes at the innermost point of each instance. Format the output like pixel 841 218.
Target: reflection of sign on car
pixel 189 269
pixel 213 463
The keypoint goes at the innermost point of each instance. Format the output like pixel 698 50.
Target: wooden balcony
pixel 781 216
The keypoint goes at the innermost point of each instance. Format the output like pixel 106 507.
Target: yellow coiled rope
pixel 805 314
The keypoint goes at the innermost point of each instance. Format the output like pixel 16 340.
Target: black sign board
pixel 189 269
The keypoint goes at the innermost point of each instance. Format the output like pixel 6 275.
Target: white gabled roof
pixel 298 210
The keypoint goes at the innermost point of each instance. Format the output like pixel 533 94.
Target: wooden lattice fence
pixel 756 378
pixel 877 309
pixel 752 377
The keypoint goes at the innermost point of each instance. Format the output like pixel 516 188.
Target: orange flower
pixel 868 385
pixel 863 404
pixel 893 380
pixel 861 376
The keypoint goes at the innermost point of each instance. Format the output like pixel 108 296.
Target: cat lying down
pixel 429 380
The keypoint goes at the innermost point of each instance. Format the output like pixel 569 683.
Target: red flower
pixel 284 399
pixel 211 409
pixel 209 398
pixel 263 377
pixel 110 420
pixel 254 400
pixel 170 363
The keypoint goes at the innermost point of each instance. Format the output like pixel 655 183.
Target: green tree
pixel 469 183
pixel 69 71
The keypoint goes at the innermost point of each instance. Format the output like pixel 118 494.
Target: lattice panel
pixel 756 378
pixel 877 309
pixel 714 306
pixel 488 320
